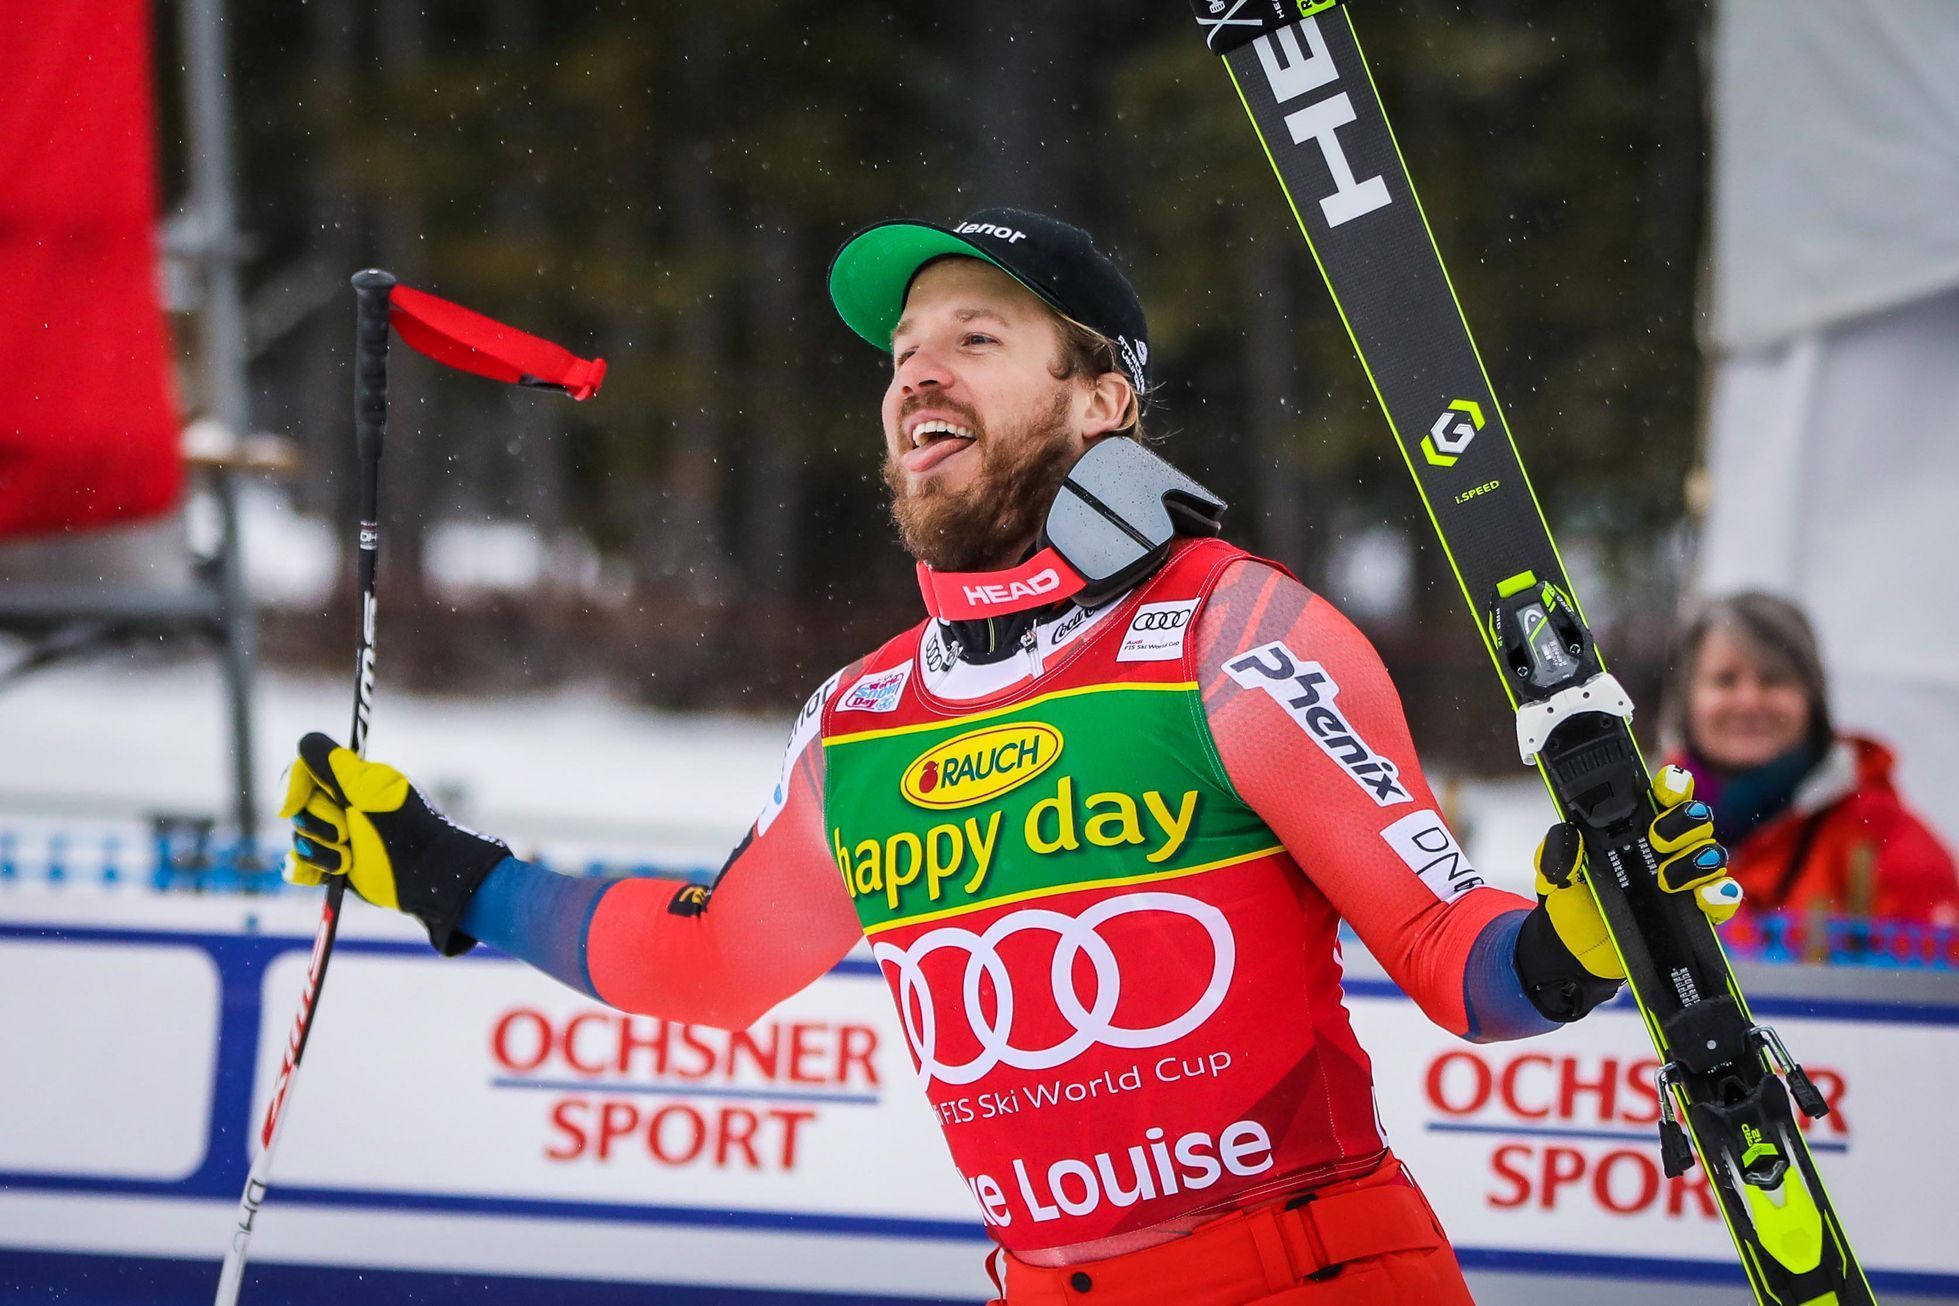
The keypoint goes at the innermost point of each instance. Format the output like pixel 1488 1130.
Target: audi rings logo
pixel 1156 632
pixel 1090 1022
pixel 1170 619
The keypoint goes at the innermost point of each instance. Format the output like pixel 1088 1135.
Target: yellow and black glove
pixel 1565 955
pixel 364 820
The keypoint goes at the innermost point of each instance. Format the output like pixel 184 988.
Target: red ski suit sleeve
pixel 1325 816
pixel 777 917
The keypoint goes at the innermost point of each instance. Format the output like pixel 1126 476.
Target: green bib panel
pixel 1086 787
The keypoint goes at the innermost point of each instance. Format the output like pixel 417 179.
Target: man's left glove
pixel 1565 956
pixel 363 819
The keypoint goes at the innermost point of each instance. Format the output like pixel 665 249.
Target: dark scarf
pixel 1745 801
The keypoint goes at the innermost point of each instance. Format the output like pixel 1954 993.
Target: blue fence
pixel 194 856
pixel 191 855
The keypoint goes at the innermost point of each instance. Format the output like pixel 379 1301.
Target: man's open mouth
pixel 933 441
pixel 930 432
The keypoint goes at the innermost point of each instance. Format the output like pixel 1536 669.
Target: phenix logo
pixel 1306 692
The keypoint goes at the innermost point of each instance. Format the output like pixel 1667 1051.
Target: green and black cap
pixel 1057 261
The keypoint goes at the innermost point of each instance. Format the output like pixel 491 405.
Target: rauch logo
pixel 980 764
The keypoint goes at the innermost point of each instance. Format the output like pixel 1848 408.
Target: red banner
pixel 88 431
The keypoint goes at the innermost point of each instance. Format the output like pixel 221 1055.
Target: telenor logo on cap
pixel 1055 260
pixel 1007 234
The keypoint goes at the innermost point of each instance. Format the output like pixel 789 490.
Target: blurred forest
pixel 664 184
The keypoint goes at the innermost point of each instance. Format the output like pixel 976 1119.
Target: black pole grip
pixel 371 290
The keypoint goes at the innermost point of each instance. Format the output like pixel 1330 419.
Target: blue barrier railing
pixel 1793 938
pixel 194 857
pixel 1820 937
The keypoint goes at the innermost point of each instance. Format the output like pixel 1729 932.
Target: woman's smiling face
pixel 1743 709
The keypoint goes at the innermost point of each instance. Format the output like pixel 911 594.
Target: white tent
pixel 1833 424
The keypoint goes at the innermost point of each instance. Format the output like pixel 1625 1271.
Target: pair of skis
pixel 1726 1081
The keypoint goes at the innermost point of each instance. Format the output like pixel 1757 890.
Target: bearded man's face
pixel 988 520
pixel 978 431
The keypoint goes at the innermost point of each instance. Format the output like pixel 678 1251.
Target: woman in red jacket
pixel 1808 813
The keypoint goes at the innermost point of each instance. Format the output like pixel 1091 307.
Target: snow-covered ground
pixel 577 772
pixel 574 773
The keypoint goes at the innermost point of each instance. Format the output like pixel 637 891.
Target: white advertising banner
pixel 1552 1144
pixel 475 1117
pixel 109 1054
pixel 491 1080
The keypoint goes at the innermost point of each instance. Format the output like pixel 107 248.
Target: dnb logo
pixel 1452 431
pixel 980 764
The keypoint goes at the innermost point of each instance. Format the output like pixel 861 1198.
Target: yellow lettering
pixel 870 876
pixel 1175 828
pixel 843 860
pixel 937 866
pixel 1063 807
pixel 894 878
pixel 1124 816
pixel 982 848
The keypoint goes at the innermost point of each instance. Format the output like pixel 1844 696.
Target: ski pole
pixel 467 341
pixel 371 289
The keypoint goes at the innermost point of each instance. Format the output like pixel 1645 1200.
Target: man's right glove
pixel 1565 956
pixel 364 820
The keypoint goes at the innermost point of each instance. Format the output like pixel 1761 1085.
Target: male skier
pixel 1098 817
